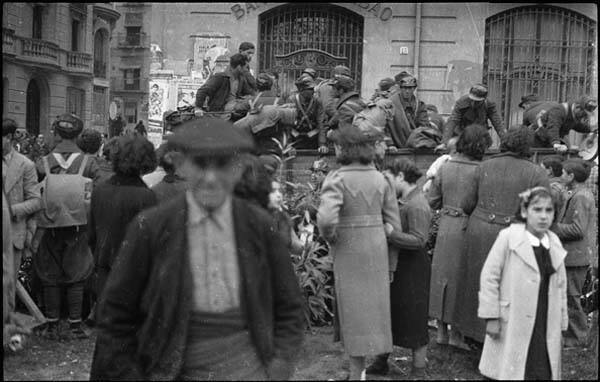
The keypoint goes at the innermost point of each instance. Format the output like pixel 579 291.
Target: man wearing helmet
pixel 410 112
pixel 309 130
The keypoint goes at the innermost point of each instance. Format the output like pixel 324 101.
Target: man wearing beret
pixel 223 89
pixel 265 95
pixel 409 112
pixel 552 121
pixel 309 131
pixel 472 108
pixel 349 102
pixel 203 286
pixel 326 93
pixel 64 258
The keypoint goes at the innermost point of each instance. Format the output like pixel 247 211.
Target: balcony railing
pixel 8 41
pixel 137 40
pixel 99 69
pixel 137 84
pixel 40 50
pixel 80 62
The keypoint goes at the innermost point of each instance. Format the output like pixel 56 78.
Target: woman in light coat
pixel 523 295
pixel 356 201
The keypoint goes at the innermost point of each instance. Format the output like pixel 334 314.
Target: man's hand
pixel 493 328
pixel 323 149
pixel 392 149
pixel 198 112
pixel 560 148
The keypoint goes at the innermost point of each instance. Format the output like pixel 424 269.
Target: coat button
pixel 492 217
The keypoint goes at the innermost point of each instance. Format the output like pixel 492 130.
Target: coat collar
pixel 345 97
pixel 13 172
pixel 520 243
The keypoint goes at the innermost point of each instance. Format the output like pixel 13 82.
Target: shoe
pixel 50 332
pixel 77 331
pixel 378 367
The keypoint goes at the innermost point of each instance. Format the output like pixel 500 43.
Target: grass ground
pixel 319 359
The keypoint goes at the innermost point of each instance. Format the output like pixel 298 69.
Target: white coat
pixel 509 288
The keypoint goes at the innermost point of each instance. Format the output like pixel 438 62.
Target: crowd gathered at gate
pixel 180 258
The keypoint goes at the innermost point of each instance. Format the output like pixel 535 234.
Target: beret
pixel 478 92
pixel 210 136
pixel 386 84
pixel 68 125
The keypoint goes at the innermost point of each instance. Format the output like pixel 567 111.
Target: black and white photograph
pixel 299 191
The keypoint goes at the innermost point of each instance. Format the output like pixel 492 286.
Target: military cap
pixel 408 82
pixel 210 137
pixel 528 98
pixel 386 84
pixel 305 82
pixel 68 125
pixel 398 77
pixel 344 81
pixel 478 92
pixel 342 70
pixel 311 72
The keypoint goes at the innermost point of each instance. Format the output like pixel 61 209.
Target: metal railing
pixel 79 61
pixel 133 40
pixel 8 41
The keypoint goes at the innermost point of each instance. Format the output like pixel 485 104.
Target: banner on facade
pixel 159 95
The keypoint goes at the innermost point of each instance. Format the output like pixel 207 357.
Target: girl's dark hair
pixel 407 167
pixel 518 140
pixel 246 46
pixel 89 141
pixel 554 162
pixel 529 196
pixel 255 183
pixel 133 155
pixel 579 168
pixel 9 126
pixel 237 60
pixel 112 144
pixel 473 141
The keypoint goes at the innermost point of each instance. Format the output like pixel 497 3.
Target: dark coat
pixel 466 112
pixel 348 105
pixel 114 204
pixel 499 180
pixel 416 114
pixel 217 89
pixel 170 186
pixel 310 118
pixel 146 305
pixel 556 121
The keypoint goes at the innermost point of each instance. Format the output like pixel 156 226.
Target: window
pixel 75 24
pixel 37 22
pixel 133 35
pixel 76 101
pixel 100 53
pixel 131 111
pixel 131 79
pixel 99 108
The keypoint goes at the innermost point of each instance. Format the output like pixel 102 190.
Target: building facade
pixel 130 68
pixel 53 55
pixel 515 48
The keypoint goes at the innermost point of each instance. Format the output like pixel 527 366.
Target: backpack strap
pixel 65 164
pixel 83 164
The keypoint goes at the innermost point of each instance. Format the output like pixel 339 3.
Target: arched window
pixel 33 101
pixel 296 36
pixel 100 53
pixel 540 49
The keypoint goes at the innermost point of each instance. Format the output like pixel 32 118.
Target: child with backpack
pixel 64 259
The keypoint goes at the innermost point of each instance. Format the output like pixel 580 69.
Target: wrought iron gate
pixel 321 36
pixel 541 49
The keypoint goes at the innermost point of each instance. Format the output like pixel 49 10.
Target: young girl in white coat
pixel 523 295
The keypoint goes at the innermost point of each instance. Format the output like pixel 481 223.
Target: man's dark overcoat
pixel 217 89
pixel 467 112
pixel 146 305
pixel 556 119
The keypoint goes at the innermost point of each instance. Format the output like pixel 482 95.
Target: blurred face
pixel 316 177
pixel 567 178
pixel 211 179
pixel 398 181
pixel 539 215
pixel 248 53
pixel 406 93
pixel 276 197
pixel 307 93
pixel 6 144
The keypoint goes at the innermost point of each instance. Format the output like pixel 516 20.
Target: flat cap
pixel 342 70
pixel 478 92
pixel 68 125
pixel 210 137
pixel 305 82
pixel 528 98
pixel 408 82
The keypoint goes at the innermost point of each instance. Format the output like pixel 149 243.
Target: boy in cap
pixel 552 121
pixel 410 112
pixel 203 287
pixel 309 130
pixel 473 108
pixel 64 259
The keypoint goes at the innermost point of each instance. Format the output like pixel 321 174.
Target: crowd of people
pixel 185 272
